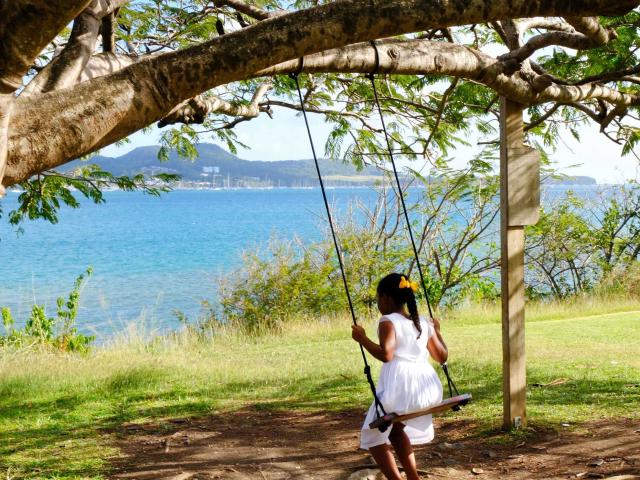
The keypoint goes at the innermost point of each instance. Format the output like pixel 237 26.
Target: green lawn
pixel 56 410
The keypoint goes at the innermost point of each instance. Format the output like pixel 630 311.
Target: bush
pixel 58 332
pixel 622 281
pixel 288 280
pixel 293 280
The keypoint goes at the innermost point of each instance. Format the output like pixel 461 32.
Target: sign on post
pixel 523 186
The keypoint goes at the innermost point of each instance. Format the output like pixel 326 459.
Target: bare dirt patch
pixel 272 446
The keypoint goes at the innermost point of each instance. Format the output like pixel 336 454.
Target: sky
pixel 284 138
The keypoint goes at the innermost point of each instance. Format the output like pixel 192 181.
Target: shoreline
pixel 328 187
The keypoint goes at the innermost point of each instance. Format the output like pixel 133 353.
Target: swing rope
pixel 371 77
pixel 367 369
pixel 383 419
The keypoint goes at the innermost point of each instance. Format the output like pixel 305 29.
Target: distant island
pixel 216 168
pixel 570 180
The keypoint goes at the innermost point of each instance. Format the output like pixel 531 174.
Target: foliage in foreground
pixel 453 220
pixel 57 332
pixel 42 196
pixel 580 246
pixel 58 408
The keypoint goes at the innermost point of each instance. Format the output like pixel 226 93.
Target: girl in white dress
pixel 407 380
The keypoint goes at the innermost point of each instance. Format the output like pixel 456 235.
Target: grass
pixel 57 411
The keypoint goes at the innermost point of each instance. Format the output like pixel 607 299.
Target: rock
pixel 596 463
pixel 366 474
pixel 477 471
pixel 489 453
pixel 179 420
pixel 449 446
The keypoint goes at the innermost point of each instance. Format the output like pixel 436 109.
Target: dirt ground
pixel 267 446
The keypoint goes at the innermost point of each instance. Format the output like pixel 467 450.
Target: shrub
pixel 272 287
pixel 58 332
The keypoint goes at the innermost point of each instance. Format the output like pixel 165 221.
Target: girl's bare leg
pixel 402 446
pixel 383 456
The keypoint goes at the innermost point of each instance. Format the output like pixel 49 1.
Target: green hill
pixel 217 167
pixel 231 170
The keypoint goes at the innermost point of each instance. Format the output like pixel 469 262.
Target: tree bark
pixel 63 71
pixel 56 127
pixel 6 105
pixel 196 109
pixel 26 27
pixel 66 69
pixel 404 57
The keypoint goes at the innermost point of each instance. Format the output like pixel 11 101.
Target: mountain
pixel 570 180
pixel 217 166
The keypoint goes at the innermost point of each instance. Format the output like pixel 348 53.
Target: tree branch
pixel 56 127
pixel 65 69
pixel 590 27
pixel 26 27
pixel 195 110
pixel 423 57
pixel 105 64
pixel 591 34
pixel 577 41
pixel 546 24
pixel 247 9
pixel 107 33
pixel 543 118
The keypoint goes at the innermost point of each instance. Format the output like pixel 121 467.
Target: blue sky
pixel 284 138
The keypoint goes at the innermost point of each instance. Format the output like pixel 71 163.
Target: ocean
pixel 152 256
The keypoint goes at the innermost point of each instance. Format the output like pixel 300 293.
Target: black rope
pixel 367 368
pixel 371 77
pixel 450 384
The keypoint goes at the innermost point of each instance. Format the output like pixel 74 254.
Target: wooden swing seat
pixel 448 404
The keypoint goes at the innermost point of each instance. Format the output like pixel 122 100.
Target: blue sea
pixel 152 256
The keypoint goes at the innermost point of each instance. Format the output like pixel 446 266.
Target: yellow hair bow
pixel 404 283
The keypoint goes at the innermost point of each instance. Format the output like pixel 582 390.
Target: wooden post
pixel 519 201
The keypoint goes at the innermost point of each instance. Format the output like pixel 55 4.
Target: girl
pixel 407 380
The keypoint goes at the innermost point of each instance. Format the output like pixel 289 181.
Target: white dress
pixel 407 383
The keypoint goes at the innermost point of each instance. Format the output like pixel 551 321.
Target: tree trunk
pixel 6 106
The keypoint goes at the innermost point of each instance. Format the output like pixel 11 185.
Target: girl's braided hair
pixel 390 285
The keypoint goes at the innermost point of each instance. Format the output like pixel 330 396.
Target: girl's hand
pixel 358 333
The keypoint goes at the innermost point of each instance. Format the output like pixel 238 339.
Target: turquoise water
pixel 150 255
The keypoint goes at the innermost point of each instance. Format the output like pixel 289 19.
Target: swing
pixel 384 420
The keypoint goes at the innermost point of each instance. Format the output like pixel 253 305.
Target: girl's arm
pixel 436 346
pixel 387 336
